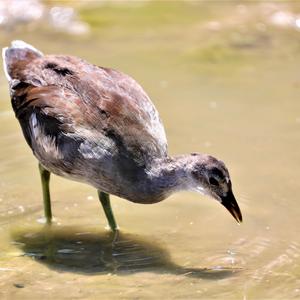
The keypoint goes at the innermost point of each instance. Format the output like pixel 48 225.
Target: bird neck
pixel 167 176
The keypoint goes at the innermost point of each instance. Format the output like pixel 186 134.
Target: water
pixel 225 80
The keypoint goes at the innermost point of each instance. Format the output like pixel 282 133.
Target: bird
pixel 98 126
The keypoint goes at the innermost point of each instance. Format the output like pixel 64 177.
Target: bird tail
pixel 15 56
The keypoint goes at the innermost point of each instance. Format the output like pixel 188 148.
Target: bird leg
pixel 105 201
pixel 45 178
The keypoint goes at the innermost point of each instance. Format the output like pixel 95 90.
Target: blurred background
pixel 224 76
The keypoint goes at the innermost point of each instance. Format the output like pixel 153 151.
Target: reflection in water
pixel 88 252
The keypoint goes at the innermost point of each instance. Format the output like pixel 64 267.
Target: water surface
pixel 225 79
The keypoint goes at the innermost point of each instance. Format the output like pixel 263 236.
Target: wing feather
pixel 103 106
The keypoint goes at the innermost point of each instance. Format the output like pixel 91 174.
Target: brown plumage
pixel 97 125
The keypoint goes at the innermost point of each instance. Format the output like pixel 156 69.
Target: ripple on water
pixel 90 251
pixel 281 264
pixel 226 260
pixel 272 266
pixel 93 252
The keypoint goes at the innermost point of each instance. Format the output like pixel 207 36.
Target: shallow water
pixel 226 82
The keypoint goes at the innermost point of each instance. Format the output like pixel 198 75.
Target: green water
pixel 226 82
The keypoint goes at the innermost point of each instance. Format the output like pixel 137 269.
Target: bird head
pixel 210 176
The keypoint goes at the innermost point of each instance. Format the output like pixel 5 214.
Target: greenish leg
pixel 45 178
pixel 105 201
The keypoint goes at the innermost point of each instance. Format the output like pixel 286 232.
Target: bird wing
pixel 87 102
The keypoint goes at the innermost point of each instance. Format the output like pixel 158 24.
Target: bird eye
pixel 213 181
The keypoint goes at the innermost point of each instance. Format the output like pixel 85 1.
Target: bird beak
pixel 230 203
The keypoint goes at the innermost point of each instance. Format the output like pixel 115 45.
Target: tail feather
pixel 19 53
pixel 4 63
